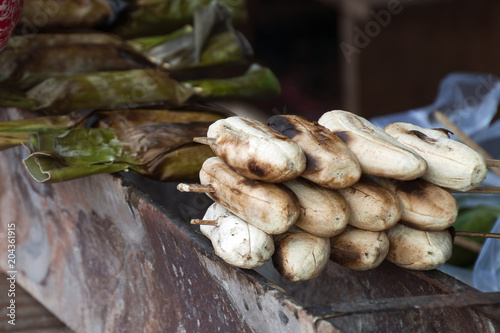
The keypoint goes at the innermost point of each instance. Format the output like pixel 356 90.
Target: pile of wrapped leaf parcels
pixel 113 88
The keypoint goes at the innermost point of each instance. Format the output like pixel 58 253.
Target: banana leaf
pixel 258 81
pixel 59 155
pixel 31 68
pixel 32 42
pixel 213 41
pixel 156 17
pixel 107 90
pixel 17 132
pixel 61 95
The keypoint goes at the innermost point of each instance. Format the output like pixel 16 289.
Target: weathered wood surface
pixel 106 257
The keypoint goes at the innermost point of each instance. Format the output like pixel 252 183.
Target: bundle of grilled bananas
pixel 302 192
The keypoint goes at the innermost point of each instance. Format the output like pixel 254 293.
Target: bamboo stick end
pixel 205 140
pixel 203 222
pixel 199 188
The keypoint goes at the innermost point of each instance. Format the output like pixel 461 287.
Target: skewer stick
pixel 203 222
pixel 477 234
pixel 204 140
pixel 468 244
pixel 493 163
pixel 467 140
pixel 492 189
pixel 198 188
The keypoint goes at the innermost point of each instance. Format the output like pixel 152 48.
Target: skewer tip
pixel 203 222
pixel 200 188
pixel 204 140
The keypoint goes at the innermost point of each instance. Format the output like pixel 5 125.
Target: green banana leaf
pixel 31 68
pixel 157 17
pixel 59 155
pixel 258 82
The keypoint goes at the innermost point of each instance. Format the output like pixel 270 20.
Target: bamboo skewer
pixel 467 140
pixel 205 140
pixel 203 222
pixel 197 188
pixel 491 190
pixel 477 234
pixel 468 244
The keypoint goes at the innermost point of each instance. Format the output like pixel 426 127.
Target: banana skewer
pixel 373 207
pixel 255 150
pixel 324 212
pixel 330 162
pixel 235 241
pixel 425 206
pixel 450 164
pixel 273 208
pixel 378 154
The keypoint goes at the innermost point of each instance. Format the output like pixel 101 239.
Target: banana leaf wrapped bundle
pixel 60 95
pixel 161 151
pixel 17 132
pixel 31 59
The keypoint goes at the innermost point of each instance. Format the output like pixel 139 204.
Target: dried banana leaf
pixel 213 41
pixel 136 87
pixel 108 90
pixel 180 165
pixel 13 133
pixel 33 42
pixel 31 68
pixel 56 153
pixel 135 117
pixel 156 17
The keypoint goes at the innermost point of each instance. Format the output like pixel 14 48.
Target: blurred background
pixel 371 57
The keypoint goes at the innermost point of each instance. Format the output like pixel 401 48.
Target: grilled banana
pixel 358 249
pixel 373 207
pixel 324 212
pixel 235 241
pixel 451 164
pixel 255 150
pixel 273 208
pixel 425 206
pixel 300 256
pixel 329 162
pixel 417 249
pixel 378 154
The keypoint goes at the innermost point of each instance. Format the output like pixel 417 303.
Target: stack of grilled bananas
pixel 302 192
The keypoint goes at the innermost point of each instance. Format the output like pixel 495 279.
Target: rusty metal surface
pixel 449 301
pixel 105 257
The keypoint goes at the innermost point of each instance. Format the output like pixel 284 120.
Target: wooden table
pixel 105 256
